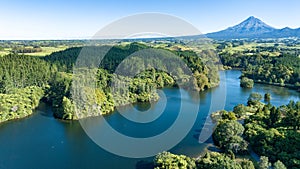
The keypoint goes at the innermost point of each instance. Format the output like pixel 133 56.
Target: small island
pixel 246 82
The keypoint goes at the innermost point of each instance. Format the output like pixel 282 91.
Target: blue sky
pixel 57 19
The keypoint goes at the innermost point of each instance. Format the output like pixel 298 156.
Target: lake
pixel 40 141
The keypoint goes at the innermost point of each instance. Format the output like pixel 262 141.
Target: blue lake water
pixel 40 141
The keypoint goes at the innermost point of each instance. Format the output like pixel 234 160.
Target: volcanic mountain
pixel 254 28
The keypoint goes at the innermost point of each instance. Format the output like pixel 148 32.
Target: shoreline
pixel 289 86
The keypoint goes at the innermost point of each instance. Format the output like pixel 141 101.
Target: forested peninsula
pixel 25 80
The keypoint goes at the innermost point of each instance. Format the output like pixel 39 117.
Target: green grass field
pixel 45 51
pixel 5 51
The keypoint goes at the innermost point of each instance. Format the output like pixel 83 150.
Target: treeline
pixel 14 44
pixel 27 49
pixel 110 56
pixel 65 60
pixel 283 70
pixel 19 71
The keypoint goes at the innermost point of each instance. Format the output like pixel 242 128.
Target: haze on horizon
pixel 56 19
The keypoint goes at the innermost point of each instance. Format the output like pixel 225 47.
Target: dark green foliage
pixel 246 82
pixel 132 90
pixel 65 60
pixel 58 89
pixel 204 77
pixel 228 135
pixel 292 115
pixel 275 117
pixel 269 133
pixel 282 70
pixel 118 53
pixel 240 110
pixel 247 164
pixel 68 109
pixel 229 116
pixel 166 160
pixel 279 165
pixel 19 71
pixel 264 163
pixel 216 160
pixel 27 50
pixel 254 99
pixel 211 160
pixel 267 97
pixel 138 77
pixel 223 115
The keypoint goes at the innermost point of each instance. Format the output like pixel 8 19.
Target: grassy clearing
pixel 47 51
pixel 5 51
pixel 250 49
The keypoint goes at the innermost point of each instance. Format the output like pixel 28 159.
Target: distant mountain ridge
pixel 254 28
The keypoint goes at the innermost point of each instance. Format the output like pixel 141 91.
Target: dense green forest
pixel 271 132
pixel 270 64
pixel 53 74
pixel 212 160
